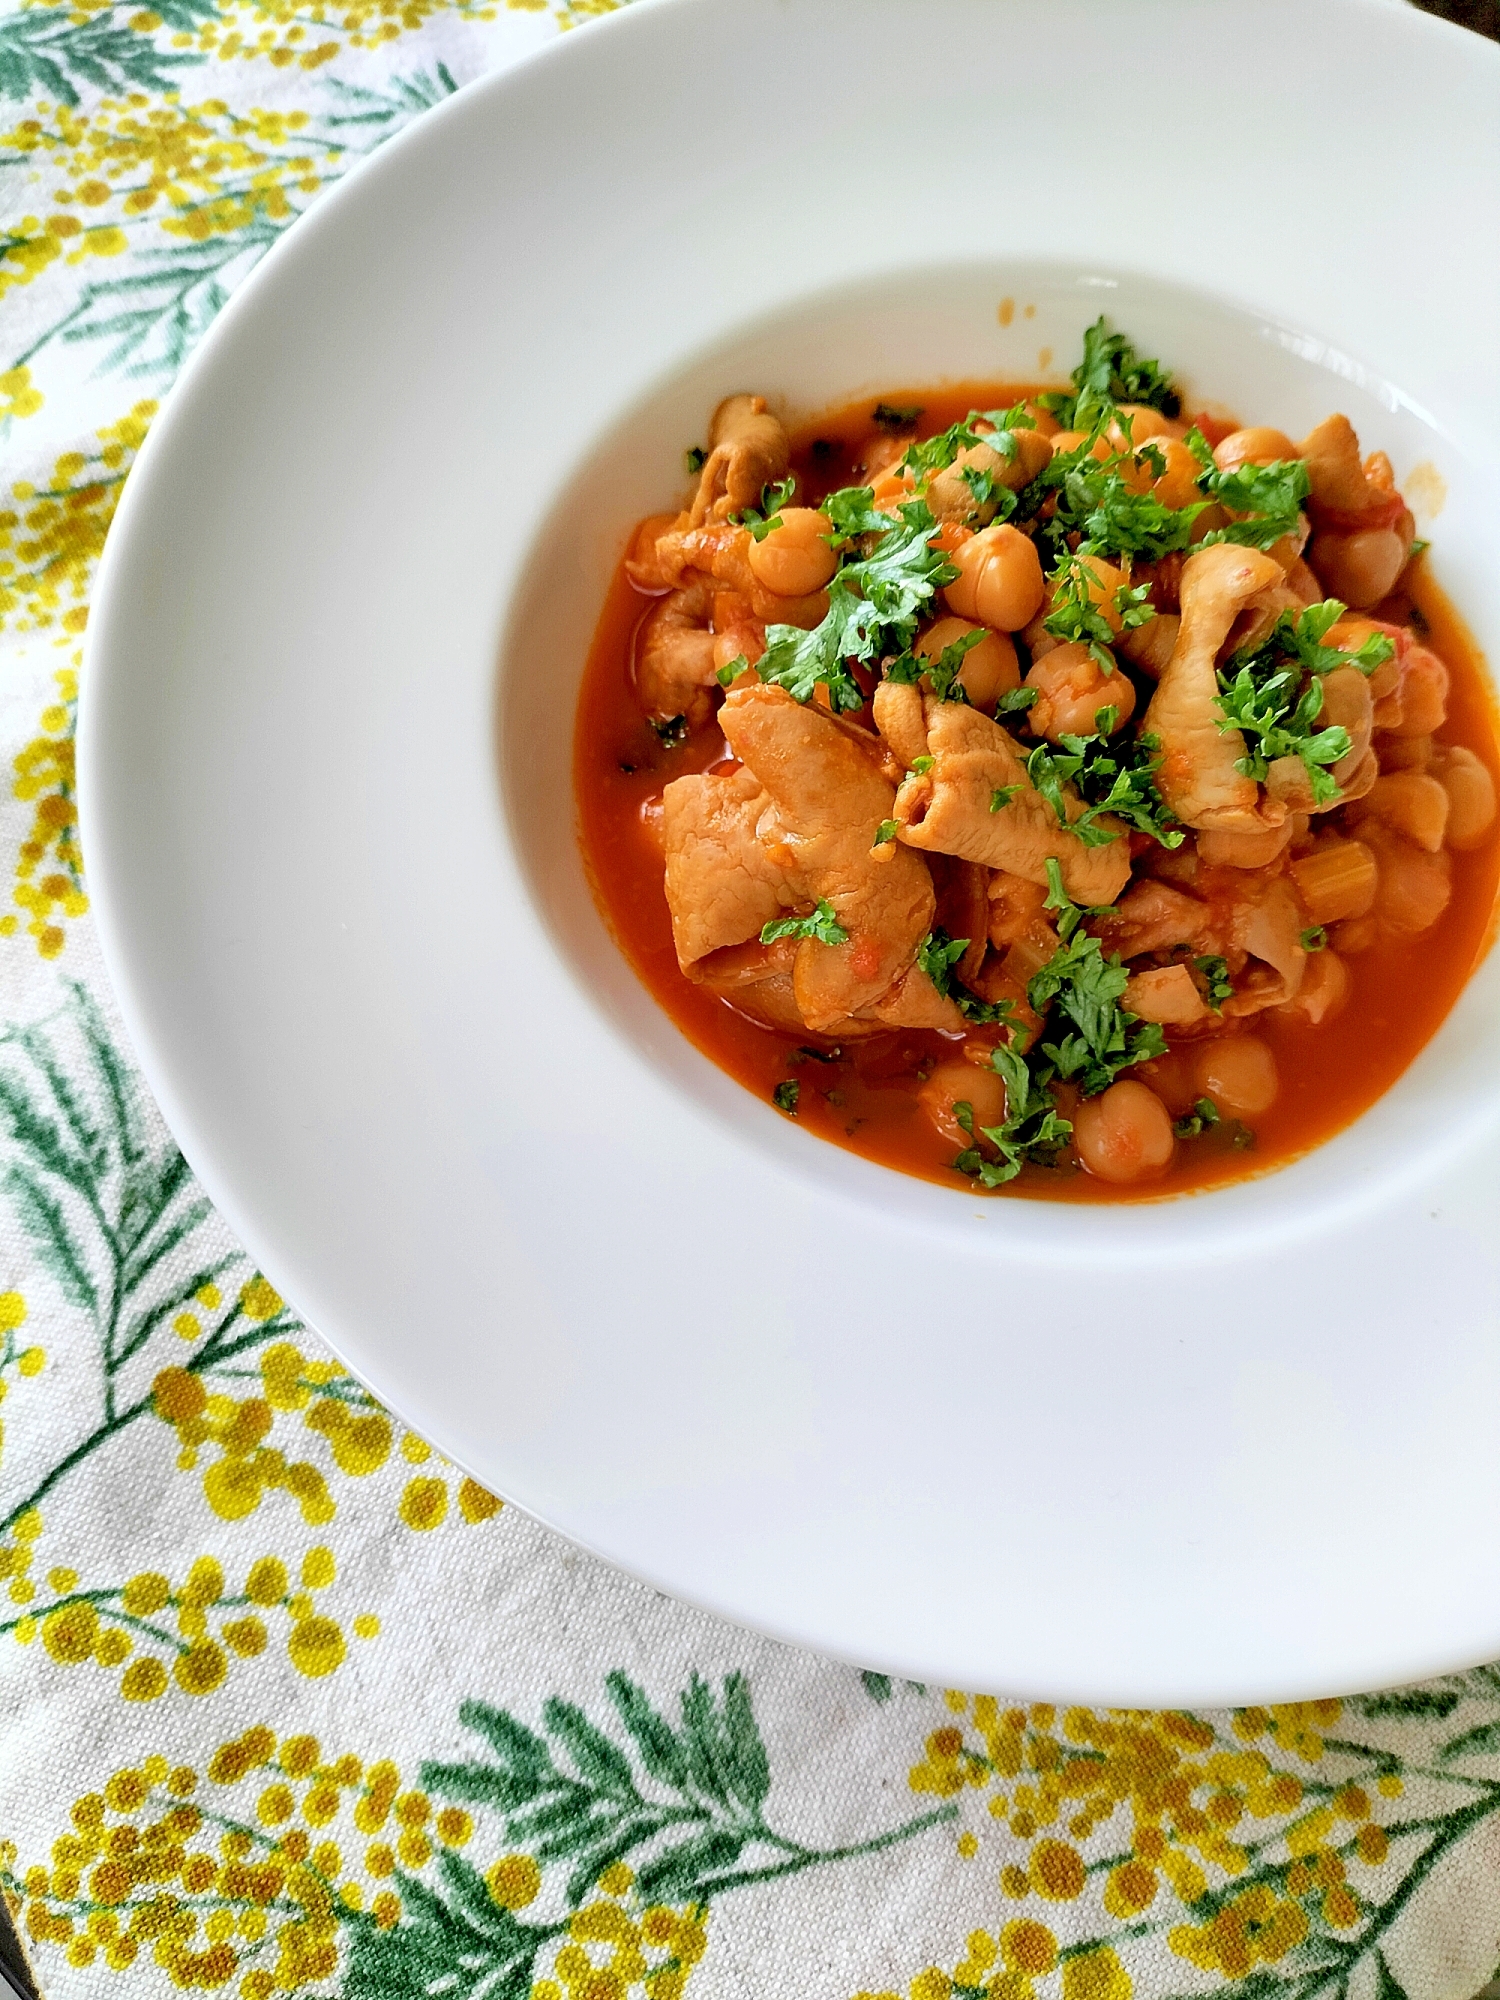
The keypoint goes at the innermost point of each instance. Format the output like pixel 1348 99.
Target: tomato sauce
pixel 863 1095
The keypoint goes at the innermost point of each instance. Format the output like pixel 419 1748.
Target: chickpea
pixel 990 669
pixel 1471 795
pixel 1071 440
pixel 1323 993
pixel 1125 1135
pixel 1171 1077
pixel 1414 886
pixel 1239 1073
pixel 1360 568
pixel 1047 425
pixel 999 581
pixel 1141 422
pixel 795 559
pixel 1178 485
pixel 1104 581
pixel 882 452
pixel 1411 803
pixel 1071 688
pixel 1257 445
pixel 954 1083
pixel 950 495
pixel 1423 695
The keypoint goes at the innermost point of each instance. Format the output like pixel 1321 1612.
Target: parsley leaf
pixel 1102 513
pixel 785 1096
pixel 1076 615
pixel 1276 721
pixel 874 601
pixel 1314 938
pixel 1032 1129
pixel 1111 776
pixel 1086 987
pixel 1269 496
pixel 1302 638
pixel 1218 986
pixel 941 674
pixel 937 955
pixel 823 925
pixel 673 732
pixel 1274 694
pixel 1204 1113
pixel 933 454
pixel 885 833
pixel 1112 372
pixel 762 522
pixel 897 416
pixel 695 458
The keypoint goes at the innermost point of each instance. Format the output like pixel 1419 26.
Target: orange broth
pixel 863 1095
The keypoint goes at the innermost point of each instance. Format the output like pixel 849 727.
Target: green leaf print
pixel 1473 1742
pixel 459 1947
pixel 112 1213
pixel 49 52
pixel 583 1799
pixel 188 253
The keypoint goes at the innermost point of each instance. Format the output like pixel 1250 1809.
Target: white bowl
pixel 1236 1446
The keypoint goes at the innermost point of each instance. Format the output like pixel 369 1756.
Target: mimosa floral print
pixel 288 1704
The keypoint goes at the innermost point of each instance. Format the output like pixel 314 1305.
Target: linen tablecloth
pixel 287 1704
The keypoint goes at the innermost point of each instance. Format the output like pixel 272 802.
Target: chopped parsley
pixel 1270 497
pixel 1103 1039
pixel 941 674
pixel 823 926
pixel 874 602
pixel 1217 985
pixel 1301 638
pixel 1111 777
pixel 1015 701
pixel 935 453
pixel 937 956
pixel 1278 718
pixel 760 522
pixel 1076 616
pixel 1274 694
pixel 885 833
pixel 1112 372
pixel 695 458
pixel 1101 513
pixel 1032 1130
pixel 897 416
pixel 1314 938
pixel 1204 1113
pixel 785 1096
pixel 673 733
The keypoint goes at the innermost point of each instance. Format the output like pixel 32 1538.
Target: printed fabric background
pixel 287 1705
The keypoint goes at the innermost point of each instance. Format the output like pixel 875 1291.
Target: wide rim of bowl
pixel 136 563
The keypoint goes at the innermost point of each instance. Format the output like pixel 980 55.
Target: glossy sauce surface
pixel 863 1095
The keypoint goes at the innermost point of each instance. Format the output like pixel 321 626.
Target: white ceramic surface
pixel 1233 1447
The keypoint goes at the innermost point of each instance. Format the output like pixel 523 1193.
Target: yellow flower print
pixel 49 868
pixel 1254 1856
pixel 51 537
pixel 213 1626
pixel 333 1406
pixel 18 397
pixel 259 1866
pixel 197 190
